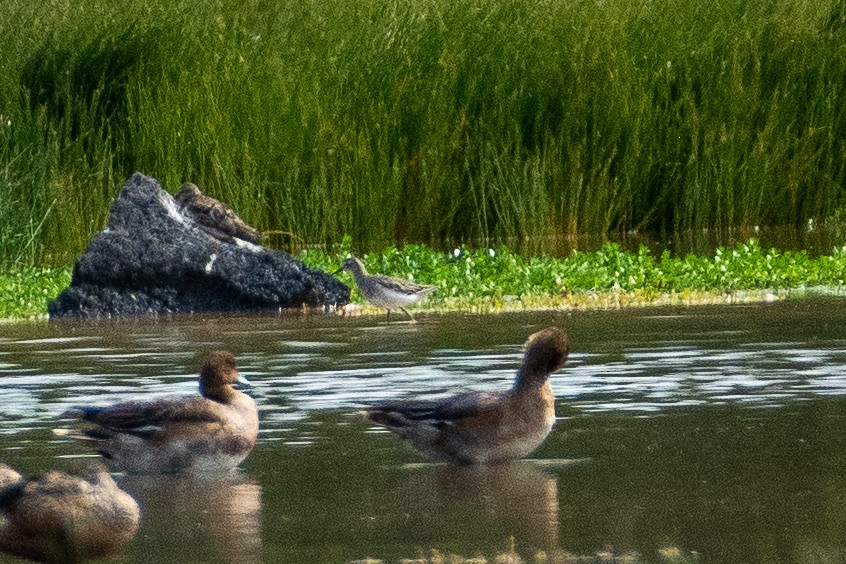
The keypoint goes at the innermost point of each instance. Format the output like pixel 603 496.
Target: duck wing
pixel 435 413
pixel 50 485
pixel 144 418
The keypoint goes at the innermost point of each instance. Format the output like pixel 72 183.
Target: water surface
pixel 714 431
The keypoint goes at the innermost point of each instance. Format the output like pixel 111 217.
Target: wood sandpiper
pixel 385 291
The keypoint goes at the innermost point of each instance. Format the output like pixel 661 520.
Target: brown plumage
pixel 66 517
pixel 485 427
pixel 214 215
pixel 8 476
pixel 212 432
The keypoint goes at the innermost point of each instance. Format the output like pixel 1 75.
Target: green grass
pixel 24 292
pixel 490 280
pixel 435 121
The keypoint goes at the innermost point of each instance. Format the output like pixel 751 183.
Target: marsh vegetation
pixel 493 280
pixel 438 122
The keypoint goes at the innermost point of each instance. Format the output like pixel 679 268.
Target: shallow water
pixel 714 431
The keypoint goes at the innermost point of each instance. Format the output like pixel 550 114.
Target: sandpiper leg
pixel 411 317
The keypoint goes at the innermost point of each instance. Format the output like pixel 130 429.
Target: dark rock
pixel 155 258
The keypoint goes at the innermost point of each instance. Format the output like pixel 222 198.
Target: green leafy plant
pixel 494 279
pixel 490 278
pixel 24 292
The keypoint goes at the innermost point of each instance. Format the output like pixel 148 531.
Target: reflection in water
pixel 188 519
pixel 474 505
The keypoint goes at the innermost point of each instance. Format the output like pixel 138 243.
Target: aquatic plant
pixel 423 122
pixel 491 279
pixel 24 292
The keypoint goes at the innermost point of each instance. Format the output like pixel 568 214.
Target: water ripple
pixel 301 370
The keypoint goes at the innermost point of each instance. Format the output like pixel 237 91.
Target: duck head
pixel 545 352
pixel 218 376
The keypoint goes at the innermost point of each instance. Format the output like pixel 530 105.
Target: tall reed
pixel 433 121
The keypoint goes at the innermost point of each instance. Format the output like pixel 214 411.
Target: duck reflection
pixel 192 519
pixel 483 505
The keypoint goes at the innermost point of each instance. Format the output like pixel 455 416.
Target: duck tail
pixel 84 413
pixel 80 435
pixel 387 418
pixel 405 425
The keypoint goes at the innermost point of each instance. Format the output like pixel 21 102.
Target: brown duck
pixel 212 432
pixel 65 517
pixel 485 427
